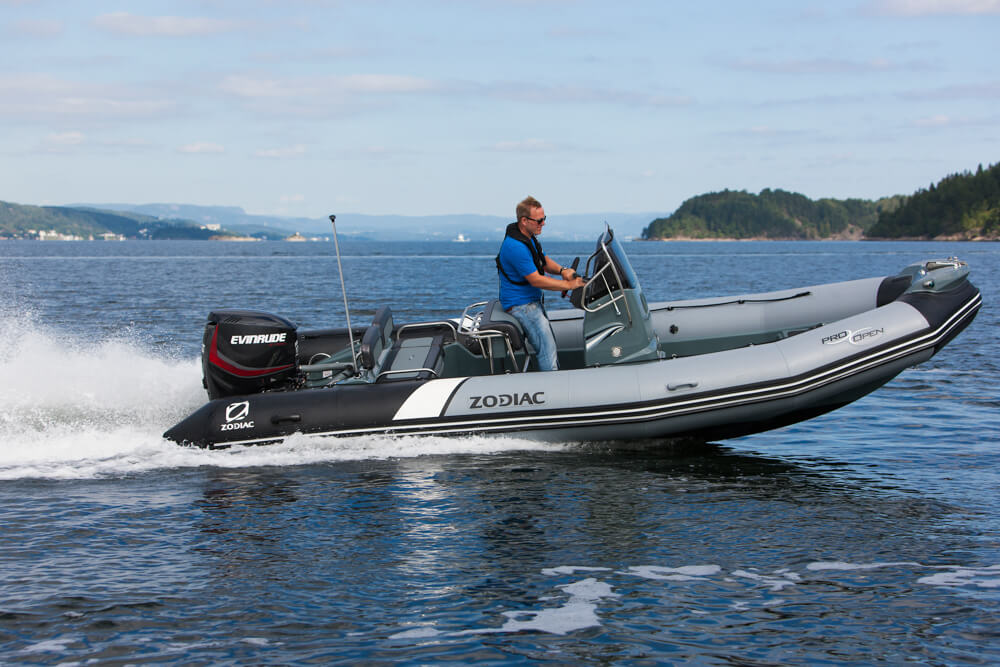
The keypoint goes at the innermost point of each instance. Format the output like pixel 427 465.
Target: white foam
pixel 683 573
pixel 577 613
pixel 423 632
pixel 589 590
pixel 574 615
pixel 572 569
pixel 76 409
pixel 842 566
pixel 952 576
pixel 256 641
pixel 58 645
pixel 774 583
pixel 988 577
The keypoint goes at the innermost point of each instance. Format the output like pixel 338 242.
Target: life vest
pixel 534 247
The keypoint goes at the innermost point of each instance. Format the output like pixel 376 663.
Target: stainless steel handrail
pixel 600 274
pixel 421 325
pixel 469 326
pixel 332 366
pixel 406 370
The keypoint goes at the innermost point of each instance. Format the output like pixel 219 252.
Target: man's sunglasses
pixel 540 220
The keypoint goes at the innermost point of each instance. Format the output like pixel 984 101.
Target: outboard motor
pixel 247 352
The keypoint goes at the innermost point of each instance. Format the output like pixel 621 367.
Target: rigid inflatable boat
pixel 698 369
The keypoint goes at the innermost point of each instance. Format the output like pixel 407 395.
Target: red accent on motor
pixel 247 352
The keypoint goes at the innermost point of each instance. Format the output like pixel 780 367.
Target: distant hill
pixel 962 206
pixel 187 221
pixel 772 214
pixel 227 217
pixel 564 227
pixel 26 221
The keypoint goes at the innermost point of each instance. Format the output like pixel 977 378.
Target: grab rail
pixel 406 370
pixel 336 366
pixel 600 274
pixel 469 326
pixel 422 325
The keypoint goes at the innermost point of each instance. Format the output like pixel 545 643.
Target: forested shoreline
pixel 964 206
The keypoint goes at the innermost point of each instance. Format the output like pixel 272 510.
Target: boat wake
pixel 77 409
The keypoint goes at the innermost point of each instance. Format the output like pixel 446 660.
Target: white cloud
pixel 306 95
pixel 570 94
pixel 318 96
pixel 770 133
pixel 976 91
pixel 123 23
pixel 256 87
pixel 65 138
pixel 525 146
pixel 293 199
pixel 823 66
pixel 939 120
pixel 203 147
pixel 298 150
pixel 934 7
pixel 74 141
pixel 31 95
pixel 815 100
pixel 955 122
pixel 39 28
pixel 126 145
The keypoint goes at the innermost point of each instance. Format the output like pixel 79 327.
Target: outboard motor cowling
pixel 247 352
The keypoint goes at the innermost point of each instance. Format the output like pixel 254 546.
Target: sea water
pixel 867 535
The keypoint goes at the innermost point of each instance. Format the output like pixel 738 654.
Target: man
pixel 522 267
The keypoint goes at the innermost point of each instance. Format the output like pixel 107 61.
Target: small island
pixel 962 206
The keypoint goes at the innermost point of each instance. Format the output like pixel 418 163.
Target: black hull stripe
pixel 658 410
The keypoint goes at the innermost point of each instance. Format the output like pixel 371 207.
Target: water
pixel 867 535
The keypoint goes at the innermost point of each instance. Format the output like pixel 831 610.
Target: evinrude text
pixel 256 339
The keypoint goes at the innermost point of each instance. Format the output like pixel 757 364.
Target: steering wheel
pixel 576 295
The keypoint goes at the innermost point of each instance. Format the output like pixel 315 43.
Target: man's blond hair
pixel 523 209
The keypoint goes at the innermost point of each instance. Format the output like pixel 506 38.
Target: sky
pixel 429 107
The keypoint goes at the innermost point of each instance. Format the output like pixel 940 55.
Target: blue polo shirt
pixel 516 261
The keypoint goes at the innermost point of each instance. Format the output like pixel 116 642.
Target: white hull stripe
pixel 647 412
pixel 429 399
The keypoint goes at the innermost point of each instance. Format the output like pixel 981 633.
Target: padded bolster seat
pixel 495 318
pixel 424 356
pixel 377 338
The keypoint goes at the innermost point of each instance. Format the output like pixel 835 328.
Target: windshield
pixel 609 247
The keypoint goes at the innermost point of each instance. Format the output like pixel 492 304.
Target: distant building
pixel 51 235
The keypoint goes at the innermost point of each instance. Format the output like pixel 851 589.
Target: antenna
pixel 343 290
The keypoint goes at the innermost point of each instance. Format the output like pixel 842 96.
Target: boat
pixel 461 238
pixel 701 369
